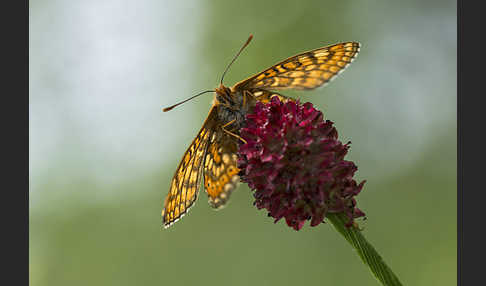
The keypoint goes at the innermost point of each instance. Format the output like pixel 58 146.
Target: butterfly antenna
pixel 171 107
pixel 234 59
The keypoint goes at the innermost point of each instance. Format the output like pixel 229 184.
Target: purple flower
pixel 294 162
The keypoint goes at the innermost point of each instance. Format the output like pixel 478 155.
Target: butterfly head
pixel 224 96
pixel 222 91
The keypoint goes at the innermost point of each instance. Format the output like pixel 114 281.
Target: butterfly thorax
pixel 233 106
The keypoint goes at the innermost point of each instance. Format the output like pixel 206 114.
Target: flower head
pixel 294 161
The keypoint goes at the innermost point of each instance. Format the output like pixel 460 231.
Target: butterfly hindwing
pixel 264 96
pixel 220 171
pixel 304 71
pixel 185 184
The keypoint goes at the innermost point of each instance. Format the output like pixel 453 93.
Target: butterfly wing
pixel 186 181
pixel 220 171
pixel 304 71
pixel 264 96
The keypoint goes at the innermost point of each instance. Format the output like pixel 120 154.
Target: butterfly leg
pixel 231 133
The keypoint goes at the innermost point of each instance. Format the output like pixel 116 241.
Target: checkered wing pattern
pixel 220 171
pixel 305 71
pixel 185 184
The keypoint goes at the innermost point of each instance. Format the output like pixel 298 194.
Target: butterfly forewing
pixel 186 181
pixel 304 71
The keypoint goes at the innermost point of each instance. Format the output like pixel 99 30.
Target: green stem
pixel 365 250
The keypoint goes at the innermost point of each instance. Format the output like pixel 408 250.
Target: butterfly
pixel 211 157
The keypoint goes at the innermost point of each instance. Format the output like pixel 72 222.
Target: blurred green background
pixel 102 153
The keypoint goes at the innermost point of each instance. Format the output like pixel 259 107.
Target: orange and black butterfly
pixel 211 157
